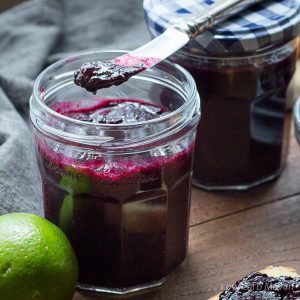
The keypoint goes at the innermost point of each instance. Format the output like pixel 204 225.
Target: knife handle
pixel 213 15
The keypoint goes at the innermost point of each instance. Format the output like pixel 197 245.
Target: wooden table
pixel 8 4
pixel 234 233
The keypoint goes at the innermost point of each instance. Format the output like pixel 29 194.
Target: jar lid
pixel 262 26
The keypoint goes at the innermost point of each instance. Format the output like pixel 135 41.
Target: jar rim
pixel 243 56
pixel 38 105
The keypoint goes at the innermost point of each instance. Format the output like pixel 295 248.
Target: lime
pixel 65 220
pixel 37 261
pixel 74 182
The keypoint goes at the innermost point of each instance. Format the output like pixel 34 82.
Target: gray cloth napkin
pixel 33 35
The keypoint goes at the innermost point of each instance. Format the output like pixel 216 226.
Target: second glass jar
pixel 243 135
pixel 243 69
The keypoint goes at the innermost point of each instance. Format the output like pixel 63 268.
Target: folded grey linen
pixel 32 35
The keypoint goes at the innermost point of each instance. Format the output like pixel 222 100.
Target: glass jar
pixel 243 70
pixel 120 192
pixel 243 136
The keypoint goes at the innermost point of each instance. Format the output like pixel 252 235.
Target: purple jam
pixel 244 130
pixel 94 76
pixel 126 215
pixel 108 111
pixel 260 286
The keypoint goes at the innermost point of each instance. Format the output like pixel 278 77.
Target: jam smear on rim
pixel 257 285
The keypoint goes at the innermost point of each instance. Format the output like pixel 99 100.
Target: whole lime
pixel 37 261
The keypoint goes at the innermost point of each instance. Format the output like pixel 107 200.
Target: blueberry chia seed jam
pixel 117 212
pixel 98 75
pixel 116 172
pixel 261 286
pixel 111 111
pixel 243 136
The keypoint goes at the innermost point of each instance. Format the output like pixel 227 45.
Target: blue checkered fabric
pixel 263 25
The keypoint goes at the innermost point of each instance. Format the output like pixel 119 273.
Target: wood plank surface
pixel 5 4
pixel 212 205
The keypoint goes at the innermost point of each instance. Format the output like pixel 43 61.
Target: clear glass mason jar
pixel 121 192
pixel 243 136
